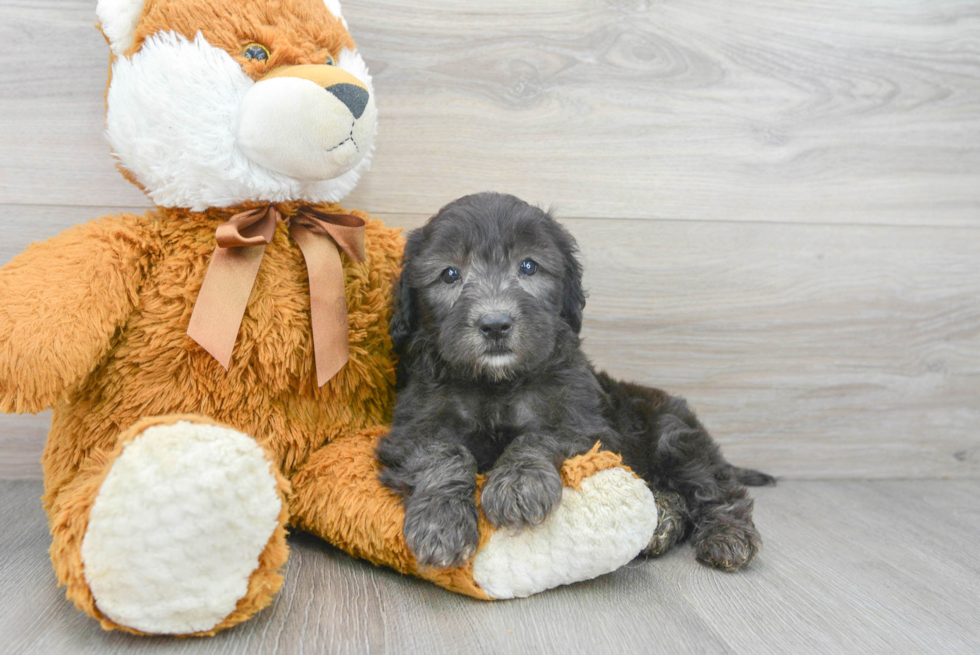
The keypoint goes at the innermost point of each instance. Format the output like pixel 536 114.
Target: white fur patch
pixel 118 19
pixel 172 121
pixel 294 127
pixel 595 530
pixel 178 526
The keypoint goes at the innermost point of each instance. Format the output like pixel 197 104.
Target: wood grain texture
pixel 779 214
pixel 686 109
pixel 815 296
pixel 811 351
pixel 848 567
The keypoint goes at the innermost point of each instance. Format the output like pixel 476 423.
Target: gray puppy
pixel 486 323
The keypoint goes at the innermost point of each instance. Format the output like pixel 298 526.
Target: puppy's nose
pixel 355 97
pixel 496 325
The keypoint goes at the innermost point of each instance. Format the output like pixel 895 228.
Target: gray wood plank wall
pixel 778 203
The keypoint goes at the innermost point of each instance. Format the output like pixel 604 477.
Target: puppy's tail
pixel 753 478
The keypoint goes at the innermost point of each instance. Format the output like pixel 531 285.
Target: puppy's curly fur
pixel 492 379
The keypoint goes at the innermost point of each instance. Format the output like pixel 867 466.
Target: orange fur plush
pixel 177 458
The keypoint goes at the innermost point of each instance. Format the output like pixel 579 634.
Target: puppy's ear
pixel 573 295
pixel 404 319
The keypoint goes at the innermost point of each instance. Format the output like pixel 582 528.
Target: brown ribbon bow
pixel 231 274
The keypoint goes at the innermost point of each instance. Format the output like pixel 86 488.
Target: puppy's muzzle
pixel 495 326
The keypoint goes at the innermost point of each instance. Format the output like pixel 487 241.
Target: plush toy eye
pixel 450 275
pixel 330 61
pixel 256 52
pixel 528 267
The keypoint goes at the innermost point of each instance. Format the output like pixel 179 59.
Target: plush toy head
pixel 212 103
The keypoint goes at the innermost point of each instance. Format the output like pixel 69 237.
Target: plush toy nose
pixel 496 325
pixel 339 83
pixel 355 97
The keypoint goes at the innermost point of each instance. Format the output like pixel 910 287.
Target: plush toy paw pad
pixel 596 528
pixel 178 526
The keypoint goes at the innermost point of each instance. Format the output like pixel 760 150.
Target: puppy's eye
pixel 256 52
pixel 450 275
pixel 528 267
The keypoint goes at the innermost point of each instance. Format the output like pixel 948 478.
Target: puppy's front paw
pixel 521 495
pixel 441 531
pixel 730 547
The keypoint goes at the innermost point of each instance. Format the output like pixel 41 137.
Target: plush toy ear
pixel 333 6
pixel 118 20
pixel 404 319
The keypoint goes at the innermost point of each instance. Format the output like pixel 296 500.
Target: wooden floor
pixel 848 567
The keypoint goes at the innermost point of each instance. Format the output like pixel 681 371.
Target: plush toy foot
pixel 671 509
pixel 186 533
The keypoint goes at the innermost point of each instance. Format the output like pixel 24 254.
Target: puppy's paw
pixel 671 509
pixel 729 547
pixel 441 531
pixel 521 495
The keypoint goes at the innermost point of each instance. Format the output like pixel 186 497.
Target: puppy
pixel 492 379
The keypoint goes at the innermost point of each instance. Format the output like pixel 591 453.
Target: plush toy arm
pixel 337 496
pixel 606 517
pixel 61 301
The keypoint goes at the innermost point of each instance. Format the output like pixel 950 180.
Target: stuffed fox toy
pixel 220 367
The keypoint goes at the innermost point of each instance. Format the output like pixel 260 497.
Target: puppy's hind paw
pixel 671 509
pixel 729 548
pixel 442 532
pixel 521 495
